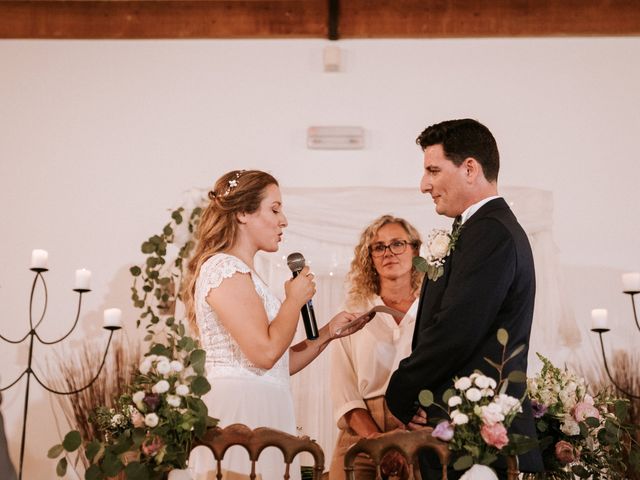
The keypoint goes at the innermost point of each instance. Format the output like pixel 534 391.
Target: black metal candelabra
pixel 32 335
pixel 600 331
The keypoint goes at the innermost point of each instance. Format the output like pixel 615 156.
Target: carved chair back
pixel 409 444
pixel 219 440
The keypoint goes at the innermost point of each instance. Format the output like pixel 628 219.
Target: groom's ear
pixel 472 169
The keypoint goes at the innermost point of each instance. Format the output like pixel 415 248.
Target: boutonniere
pixel 440 244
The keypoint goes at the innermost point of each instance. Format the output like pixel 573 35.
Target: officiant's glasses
pixel 396 247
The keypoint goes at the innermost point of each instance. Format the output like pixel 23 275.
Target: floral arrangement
pixel 151 428
pixel 581 435
pixel 440 244
pixel 480 412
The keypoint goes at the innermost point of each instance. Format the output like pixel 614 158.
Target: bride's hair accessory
pixel 233 183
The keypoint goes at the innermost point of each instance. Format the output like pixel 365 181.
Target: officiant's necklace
pixel 389 301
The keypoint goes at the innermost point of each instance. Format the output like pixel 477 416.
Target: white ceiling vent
pixel 335 138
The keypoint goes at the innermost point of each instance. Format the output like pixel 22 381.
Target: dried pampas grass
pixel 76 369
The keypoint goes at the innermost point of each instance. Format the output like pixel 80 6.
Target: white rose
pixel 462 383
pixel 570 426
pixel 163 358
pixel 481 381
pixel 459 419
pixel 145 366
pixel 176 366
pixel 161 387
pixel 163 367
pixel 508 404
pixel 454 401
pixel 182 390
pixel 174 400
pixel 567 398
pixel 492 383
pixel 138 396
pixel 151 420
pixel 491 414
pixel 439 245
pixel 487 392
pixel 473 394
pixel 152 357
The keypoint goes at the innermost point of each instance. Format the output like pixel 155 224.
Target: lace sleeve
pixel 215 270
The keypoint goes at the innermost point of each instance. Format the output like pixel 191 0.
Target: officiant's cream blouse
pixel 362 363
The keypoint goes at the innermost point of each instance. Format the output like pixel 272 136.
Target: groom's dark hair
pixel 461 139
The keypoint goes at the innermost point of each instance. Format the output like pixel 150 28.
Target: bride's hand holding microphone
pixel 301 288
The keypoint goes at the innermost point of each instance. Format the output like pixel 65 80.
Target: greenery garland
pixel 157 282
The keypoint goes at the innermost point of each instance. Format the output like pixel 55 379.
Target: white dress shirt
pixel 475 207
pixel 362 363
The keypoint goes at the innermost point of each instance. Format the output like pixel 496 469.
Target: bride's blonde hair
pixel 239 191
pixel 363 279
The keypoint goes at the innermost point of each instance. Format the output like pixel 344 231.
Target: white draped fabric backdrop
pixel 325 225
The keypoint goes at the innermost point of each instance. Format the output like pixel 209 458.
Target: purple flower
pixel 152 400
pixel 539 409
pixel 443 431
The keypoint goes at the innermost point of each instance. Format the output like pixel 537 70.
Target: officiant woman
pixel 381 273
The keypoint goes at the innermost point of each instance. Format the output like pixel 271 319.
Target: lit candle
pixel 112 318
pixel 39 259
pixel 631 282
pixel 83 279
pixel 599 318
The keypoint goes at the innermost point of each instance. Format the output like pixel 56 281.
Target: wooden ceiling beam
pixel 144 19
pixel 147 19
pixel 487 18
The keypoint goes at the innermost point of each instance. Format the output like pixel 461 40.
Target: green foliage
pixel 158 280
pixel 152 427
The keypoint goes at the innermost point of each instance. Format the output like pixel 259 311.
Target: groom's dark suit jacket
pixel 488 283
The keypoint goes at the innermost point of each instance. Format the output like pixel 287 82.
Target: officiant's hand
pixel 419 420
pixel 345 323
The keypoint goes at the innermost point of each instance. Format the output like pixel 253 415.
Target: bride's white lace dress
pixel 240 391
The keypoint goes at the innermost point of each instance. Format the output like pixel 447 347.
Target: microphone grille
pixel 295 261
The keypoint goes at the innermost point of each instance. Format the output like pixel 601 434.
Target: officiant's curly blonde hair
pixel 363 279
pixel 239 191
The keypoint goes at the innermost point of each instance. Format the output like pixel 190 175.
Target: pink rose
pixel 152 445
pixel 583 410
pixel 565 453
pixel 494 435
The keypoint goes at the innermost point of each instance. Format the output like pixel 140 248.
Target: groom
pixel 488 283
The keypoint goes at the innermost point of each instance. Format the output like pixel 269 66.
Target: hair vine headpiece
pixel 231 184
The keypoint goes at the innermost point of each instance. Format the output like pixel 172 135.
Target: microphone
pixel 296 262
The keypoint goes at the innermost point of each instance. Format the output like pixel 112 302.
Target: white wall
pixel 98 139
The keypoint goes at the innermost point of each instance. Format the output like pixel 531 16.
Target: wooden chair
pixel 218 440
pixel 409 444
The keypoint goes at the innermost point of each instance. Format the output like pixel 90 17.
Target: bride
pixel 243 327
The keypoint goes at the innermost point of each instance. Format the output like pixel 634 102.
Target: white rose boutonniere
pixel 440 244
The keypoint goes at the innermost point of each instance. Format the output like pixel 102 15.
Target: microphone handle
pixel 308 317
pixel 309 320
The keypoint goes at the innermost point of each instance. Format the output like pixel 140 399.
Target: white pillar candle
pixel 631 282
pixel 39 259
pixel 83 279
pixel 599 318
pixel 112 318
